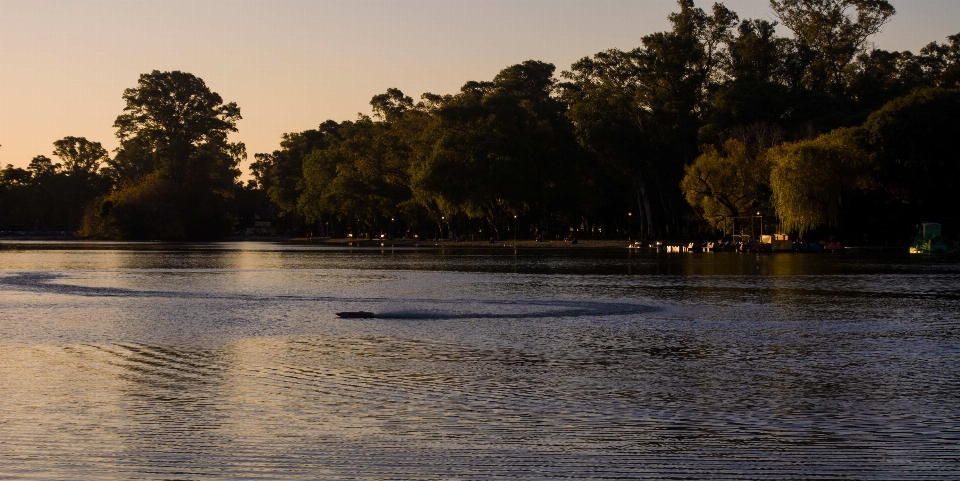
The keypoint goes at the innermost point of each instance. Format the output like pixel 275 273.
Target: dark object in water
pixel 356 315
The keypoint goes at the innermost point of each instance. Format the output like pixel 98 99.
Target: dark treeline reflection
pixel 717 119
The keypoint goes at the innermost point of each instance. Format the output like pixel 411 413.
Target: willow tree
pixel 811 179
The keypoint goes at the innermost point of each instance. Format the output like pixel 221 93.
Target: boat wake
pixel 352 307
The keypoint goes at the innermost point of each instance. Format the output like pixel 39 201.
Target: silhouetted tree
pixel 80 156
pixel 915 141
pixel 498 149
pixel 175 165
pixel 829 34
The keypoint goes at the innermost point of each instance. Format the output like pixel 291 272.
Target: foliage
pixel 184 124
pixel 942 62
pixel 498 148
pixel 173 152
pixel 916 144
pixel 726 184
pixel 624 128
pixel 361 175
pixel 280 174
pixel 811 179
pixel 157 208
pixel 48 196
pixel 639 112
pixel 829 34
pixel 80 156
pixel 672 136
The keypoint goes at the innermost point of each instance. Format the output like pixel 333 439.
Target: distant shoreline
pixel 526 244
pixel 348 242
pixel 503 243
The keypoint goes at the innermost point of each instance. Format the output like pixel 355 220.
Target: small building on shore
pixel 778 242
pixel 261 228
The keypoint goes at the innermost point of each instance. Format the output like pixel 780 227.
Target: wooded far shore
pixel 718 128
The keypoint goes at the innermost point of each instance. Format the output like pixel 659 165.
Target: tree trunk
pixel 644 198
pixel 493 226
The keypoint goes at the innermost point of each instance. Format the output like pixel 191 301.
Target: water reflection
pixel 221 361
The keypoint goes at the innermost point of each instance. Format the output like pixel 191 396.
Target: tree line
pixel 717 119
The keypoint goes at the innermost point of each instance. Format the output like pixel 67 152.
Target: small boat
pixel 930 240
pixel 356 315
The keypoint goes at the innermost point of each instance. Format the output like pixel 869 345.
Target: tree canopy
pixel 812 179
pixel 716 117
pixel 79 155
pixel 175 167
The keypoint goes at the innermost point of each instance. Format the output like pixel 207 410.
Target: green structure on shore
pixel 930 240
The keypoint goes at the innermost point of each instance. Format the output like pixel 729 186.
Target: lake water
pixel 226 361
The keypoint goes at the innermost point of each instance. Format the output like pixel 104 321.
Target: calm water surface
pixel 226 361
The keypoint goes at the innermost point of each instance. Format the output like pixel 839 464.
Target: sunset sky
pixel 291 65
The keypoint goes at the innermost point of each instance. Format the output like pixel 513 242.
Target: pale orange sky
pixel 290 65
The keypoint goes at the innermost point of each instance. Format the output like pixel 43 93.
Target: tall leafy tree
pixel 756 52
pixel 50 196
pixel 11 175
pixel 175 163
pixel 183 124
pixel 80 156
pixel 497 148
pixel 280 174
pixel 733 181
pixel 755 88
pixel 879 76
pixel 941 62
pixel 361 176
pixel 829 34
pixel 41 166
pixel 80 180
pixel 639 112
pixel 915 141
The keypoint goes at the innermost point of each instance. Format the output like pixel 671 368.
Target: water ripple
pixel 245 374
